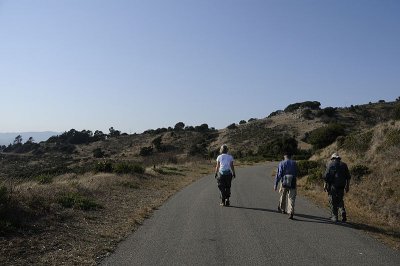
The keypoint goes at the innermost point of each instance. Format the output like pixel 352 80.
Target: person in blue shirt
pixel 287 176
pixel 224 171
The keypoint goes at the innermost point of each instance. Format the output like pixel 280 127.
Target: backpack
pixel 336 176
pixel 289 181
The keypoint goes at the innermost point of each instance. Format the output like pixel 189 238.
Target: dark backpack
pixel 336 176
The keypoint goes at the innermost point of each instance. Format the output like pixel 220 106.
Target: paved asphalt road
pixel 192 229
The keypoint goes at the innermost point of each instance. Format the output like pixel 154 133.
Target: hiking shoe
pixel 279 209
pixel 334 219
pixel 291 216
pixel 227 203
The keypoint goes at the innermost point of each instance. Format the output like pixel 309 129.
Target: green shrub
pixel 44 178
pixel 307 114
pixel 197 149
pixel 131 185
pixel 314 105
pixel 396 112
pixel 360 142
pixel 3 195
pixel 315 176
pixel 329 111
pixel 128 168
pixel 146 151
pixel 277 147
pixel 358 171
pixel 302 155
pixel 104 166
pixel 304 167
pixel 324 136
pixel 232 126
pixel 77 201
pixel 98 153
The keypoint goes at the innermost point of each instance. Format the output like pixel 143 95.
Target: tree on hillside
pixel 232 126
pixel 30 140
pixel 201 128
pixel 314 105
pixel 278 146
pixel 98 135
pixel 157 142
pixel 18 139
pixel 114 132
pixel 242 122
pixel 179 126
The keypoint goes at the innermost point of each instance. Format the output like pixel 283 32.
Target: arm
pixel 233 169
pixel 348 177
pixel 217 169
pixel 278 176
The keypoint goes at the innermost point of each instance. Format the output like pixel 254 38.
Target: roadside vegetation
pixel 74 196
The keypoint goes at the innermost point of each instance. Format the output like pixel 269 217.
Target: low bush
pixel 315 176
pixel 146 151
pixel 232 126
pixel 304 167
pixel 302 155
pixel 358 171
pixel 307 114
pixel 128 168
pixel 77 201
pixel 104 166
pixel 358 143
pixel 314 105
pixel 44 178
pixel 98 153
pixel 3 195
pixel 396 112
pixel 324 136
pixel 277 147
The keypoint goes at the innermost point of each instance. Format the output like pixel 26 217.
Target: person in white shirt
pixel 224 172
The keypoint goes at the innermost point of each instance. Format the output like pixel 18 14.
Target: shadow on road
pixel 255 209
pixel 297 217
pixel 311 218
pixel 372 229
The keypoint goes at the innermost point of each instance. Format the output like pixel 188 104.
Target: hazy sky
pixel 138 65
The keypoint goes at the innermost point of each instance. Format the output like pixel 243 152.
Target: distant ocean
pixel 7 138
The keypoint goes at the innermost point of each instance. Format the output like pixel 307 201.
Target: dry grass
pixel 359 216
pixel 374 201
pixel 57 235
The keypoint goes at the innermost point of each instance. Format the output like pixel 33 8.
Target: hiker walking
pixel 287 177
pixel 337 180
pixel 224 171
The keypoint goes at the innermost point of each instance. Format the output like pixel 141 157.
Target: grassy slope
pixel 373 202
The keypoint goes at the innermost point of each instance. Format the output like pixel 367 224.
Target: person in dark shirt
pixel 337 181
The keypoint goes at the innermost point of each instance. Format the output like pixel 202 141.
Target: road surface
pixel 192 229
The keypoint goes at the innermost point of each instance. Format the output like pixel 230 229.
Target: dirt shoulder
pixel 359 216
pixel 69 236
pixel 78 237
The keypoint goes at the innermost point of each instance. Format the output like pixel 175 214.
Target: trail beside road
pixel 192 229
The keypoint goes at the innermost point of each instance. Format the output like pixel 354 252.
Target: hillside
pixel 373 155
pixel 105 184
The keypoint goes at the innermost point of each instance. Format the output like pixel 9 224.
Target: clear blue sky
pixel 138 65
